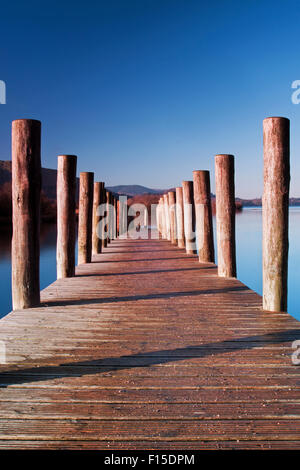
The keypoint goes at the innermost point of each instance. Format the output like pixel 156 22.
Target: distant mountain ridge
pixel 48 178
pixel 130 190
pixel 134 190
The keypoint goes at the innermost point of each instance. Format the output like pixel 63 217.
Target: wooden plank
pixel 147 348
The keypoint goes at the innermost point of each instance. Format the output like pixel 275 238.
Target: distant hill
pixel 134 190
pixel 130 190
pixel 48 178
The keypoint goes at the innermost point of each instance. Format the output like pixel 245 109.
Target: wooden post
pixel 98 200
pixel 160 219
pixel 26 190
pixel 189 217
pixel 66 216
pixel 203 213
pixel 111 236
pixel 172 215
pixel 180 218
pixel 104 238
pixel 85 217
pixel 225 215
pixel 115 213
pixel 112 203
pixel 118 218
pixel 167 216
pixel 108 217
pixel 123 219
pixel 276 131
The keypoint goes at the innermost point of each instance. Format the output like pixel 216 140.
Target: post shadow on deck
pixel 147 359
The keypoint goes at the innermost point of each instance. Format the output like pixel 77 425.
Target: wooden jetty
pixel 148 344
pixel 145 348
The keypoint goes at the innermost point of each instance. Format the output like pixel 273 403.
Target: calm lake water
pixel 249 254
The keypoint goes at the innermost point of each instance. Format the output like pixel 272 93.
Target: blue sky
pixel 146 91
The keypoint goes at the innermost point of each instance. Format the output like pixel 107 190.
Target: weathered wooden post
pixel 112 203
pixel 180 218
pixel 172 215
pixel 163 219
pixel 26 190
pixel 225 215
pixel 203 213
pixel 160 219
pixel 189 217
pixel 111 237
pixel 66 216
pixel 104 228
pixel 98 200
pixel 167 216
pixel 115 214
pixel 108 216
pixel 118 218
pixel 85 221
pixel 276 136
pixel 123 219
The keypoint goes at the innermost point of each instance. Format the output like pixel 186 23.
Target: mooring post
pixel 118 218
pixel 160 219
pixel 26 191
pixel 180 218
pixel 66 216
pixel 203 213
pixel 115 216
pixel 86 187
pixel 167 216
pixel 112 220
pixel 112 237
pixel 172 215
pixel 97 201
pixel 123 219
pixel 276 141
pixel 108 217
pixel 225 215
pixel 189 217
pixel 104 237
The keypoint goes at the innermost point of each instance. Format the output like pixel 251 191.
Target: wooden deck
pixel 148 349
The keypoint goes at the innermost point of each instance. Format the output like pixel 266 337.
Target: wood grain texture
pixel 225 215
pixel 26 195
pixel 145 348
pixel 85 217
pixel 203 215
pixel 66 216
pixel 275 212
pixel 97 231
